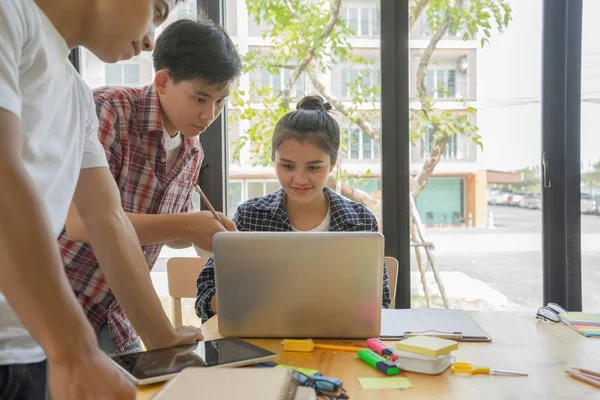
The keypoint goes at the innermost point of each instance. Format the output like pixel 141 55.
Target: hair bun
pixel 313 103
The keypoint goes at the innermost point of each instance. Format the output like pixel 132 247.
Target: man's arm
pixel 35 285
pixel 118 251
pixel 178 230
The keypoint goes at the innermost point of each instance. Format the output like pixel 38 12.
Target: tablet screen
pixel 212 353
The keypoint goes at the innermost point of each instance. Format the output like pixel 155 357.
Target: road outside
pixel 501 268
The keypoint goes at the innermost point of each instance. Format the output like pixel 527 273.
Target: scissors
pixel 466 368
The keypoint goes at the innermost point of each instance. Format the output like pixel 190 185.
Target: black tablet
pixel 153 366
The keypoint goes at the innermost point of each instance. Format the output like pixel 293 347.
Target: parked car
pixel 515 199
pixel 531 201
pixel 588 204
pixel 498 197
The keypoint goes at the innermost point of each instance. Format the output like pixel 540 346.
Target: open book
pixel 230 383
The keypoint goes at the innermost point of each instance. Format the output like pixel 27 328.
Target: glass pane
pixel 353 19
pixel 272 187
pixel 451 83
pixel 333 73
pixel 476 146
pixel 114 74
pixel 131 74
pixel 366 146
pixel 590 159
pixel 364 21
pixel 234 197
pixel 354 143
pixel 375 21
pixel 255 189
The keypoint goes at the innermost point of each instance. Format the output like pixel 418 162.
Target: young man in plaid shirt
pixel 150 136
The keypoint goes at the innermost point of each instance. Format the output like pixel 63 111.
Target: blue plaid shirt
pixel 268 214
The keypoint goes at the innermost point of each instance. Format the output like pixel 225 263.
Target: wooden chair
pixel 182 274
pixel 392 267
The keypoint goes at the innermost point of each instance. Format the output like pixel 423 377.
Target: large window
pixel 479 203
pixel 590 159
pixel 467 122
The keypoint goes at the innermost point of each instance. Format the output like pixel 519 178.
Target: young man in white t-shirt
pixel 50 155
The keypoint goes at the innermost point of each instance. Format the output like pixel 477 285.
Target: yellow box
pixel 427 345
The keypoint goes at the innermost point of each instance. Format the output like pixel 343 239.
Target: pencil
pixel 337 347
pixel 210 207
pixel 584 378
pixel 587 372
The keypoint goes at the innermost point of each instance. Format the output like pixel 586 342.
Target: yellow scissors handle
pixel 467 368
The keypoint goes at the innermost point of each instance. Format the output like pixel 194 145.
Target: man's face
pixel 123 29
pixel 192 105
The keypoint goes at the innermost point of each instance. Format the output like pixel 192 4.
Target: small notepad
pixel 230 383
pixel 427 345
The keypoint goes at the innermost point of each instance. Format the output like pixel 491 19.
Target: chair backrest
pixel 182 274
pixel 392 267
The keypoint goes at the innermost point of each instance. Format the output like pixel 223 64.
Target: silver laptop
pixel 299 284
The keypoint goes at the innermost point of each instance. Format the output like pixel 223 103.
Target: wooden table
pixel 520 342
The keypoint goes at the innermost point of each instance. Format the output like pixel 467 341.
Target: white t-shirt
pixel 173 146
pixel 323 226
pixel 59 127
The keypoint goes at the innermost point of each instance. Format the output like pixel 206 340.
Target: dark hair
pixel 191 49
pixel 309 123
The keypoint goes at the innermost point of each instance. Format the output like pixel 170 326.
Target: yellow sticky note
pixel 385 383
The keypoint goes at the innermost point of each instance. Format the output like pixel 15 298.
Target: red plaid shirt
pixel 131 131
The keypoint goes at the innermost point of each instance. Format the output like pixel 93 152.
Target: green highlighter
pixel 376 361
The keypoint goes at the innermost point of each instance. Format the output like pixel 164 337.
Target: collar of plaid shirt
pixel 343 216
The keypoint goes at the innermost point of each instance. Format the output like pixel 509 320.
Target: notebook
pixel 585 323
pixel 427 345
pixel 448 324
pixel 230 383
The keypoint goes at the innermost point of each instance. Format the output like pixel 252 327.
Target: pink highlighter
pixel 381 348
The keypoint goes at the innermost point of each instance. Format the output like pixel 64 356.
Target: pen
pixel 210 207
pixel 381 348
pixel 376 361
